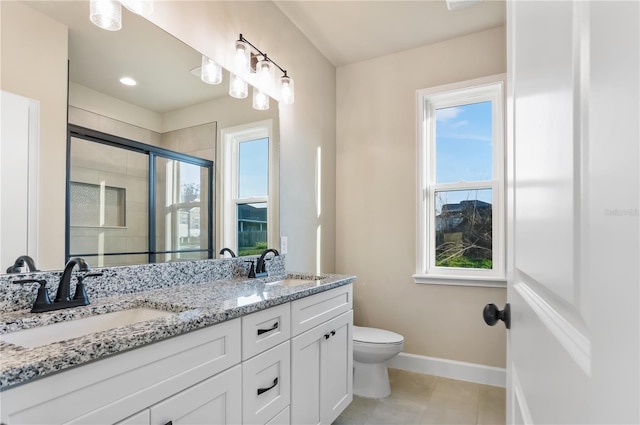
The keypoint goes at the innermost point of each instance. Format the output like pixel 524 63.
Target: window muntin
pixel 461 194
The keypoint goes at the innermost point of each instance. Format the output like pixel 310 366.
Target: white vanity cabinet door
pixel 217 400
pixel 266 385
pixel 322 371
pixel 142 418
pixel 282 418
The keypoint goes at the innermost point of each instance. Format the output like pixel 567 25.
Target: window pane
pixel 463 143
pixel 252 228
pixel 181 206
pixel 253 168
pixel 464 229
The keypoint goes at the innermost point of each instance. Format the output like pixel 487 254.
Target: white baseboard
pixel 462 371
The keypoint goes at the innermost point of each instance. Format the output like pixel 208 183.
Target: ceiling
pixel 352 31
pixel 160 63
pixel 344 31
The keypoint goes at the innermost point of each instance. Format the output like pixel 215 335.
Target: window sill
pixel 486 282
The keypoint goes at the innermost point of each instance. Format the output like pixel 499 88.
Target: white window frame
pixel 428 100
pixel 231 139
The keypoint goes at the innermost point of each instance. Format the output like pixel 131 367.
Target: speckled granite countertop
pixel 196 306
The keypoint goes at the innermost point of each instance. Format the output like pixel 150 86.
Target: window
pixel 248 188
pixel 461 184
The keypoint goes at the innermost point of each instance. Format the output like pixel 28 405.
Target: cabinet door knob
pixel 333 333
pixel 326 336
pixel 264 331
pixel 264 390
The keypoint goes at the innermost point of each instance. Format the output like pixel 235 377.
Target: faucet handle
pixel 42 299
pixel 252 270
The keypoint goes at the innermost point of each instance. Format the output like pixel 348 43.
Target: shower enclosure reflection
pixel 133 203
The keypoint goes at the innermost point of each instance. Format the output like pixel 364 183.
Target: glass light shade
pixel 260 100
pixel 210 71
pixel 242 57
pixel 264 74
pixel 238 88
pixel 286 90
pixel 106 14
pixel 141 7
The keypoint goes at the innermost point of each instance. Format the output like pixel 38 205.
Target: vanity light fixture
pixel 238 87
pixel 260 100
pixel 107 14
pixel 244 60
pixel 210 71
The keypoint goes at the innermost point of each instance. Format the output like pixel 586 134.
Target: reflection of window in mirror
pixel 112 222
pixel 246 188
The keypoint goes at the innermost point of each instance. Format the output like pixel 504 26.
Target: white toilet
pixel 372 348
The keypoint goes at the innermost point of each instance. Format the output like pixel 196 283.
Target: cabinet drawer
pixel 265 329
pixel 282 418
pixel 266 385
pixel 214 401
pixel 312 311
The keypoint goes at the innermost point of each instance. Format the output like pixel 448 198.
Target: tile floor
pixel 418 399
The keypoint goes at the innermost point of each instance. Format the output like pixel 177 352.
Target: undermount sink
pixel 43 335
pixel 294 282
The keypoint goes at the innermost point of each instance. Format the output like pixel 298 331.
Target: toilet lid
pixel 376 336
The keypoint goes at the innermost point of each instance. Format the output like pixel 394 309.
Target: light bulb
pixel 264 74
pixel 106 14
pixel 238 88
pixel 141 7
pixel 260 99
pixel 210 71
pixel 242 57
pixel 286 90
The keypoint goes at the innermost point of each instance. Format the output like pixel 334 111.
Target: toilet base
pixel 371 380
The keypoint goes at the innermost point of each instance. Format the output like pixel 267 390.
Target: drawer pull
pixel 264 390
pixel 264 331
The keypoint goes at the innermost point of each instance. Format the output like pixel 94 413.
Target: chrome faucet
pixel 21 261
pixel 261 267
pixel 229 250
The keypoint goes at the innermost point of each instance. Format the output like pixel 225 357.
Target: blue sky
pixel 254 168
pixel 463 147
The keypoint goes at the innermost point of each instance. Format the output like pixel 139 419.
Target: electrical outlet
pixel 283 245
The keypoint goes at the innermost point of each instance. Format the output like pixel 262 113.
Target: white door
pixel 19 138
pixel 574 96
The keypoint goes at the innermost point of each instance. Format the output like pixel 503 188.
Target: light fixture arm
pixel 264 55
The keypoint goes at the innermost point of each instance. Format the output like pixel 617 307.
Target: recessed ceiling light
pixel 128 81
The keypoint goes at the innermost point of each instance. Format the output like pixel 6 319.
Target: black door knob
pixel 492 314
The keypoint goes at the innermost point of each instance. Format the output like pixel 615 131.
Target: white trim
pixel 231 138
pixel 462 371
pixel 487 282
pixel 575 342
pixel 488 88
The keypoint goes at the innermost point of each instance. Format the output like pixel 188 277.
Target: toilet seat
pixel 375 336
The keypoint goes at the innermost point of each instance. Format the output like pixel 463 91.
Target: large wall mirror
pixel 170 109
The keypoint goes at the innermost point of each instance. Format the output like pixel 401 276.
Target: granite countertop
pixel 196 306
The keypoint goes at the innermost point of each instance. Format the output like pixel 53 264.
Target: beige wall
pixel 376 200
pixel 307 128
pixel 34 65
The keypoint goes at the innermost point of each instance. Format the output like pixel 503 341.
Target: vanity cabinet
pixel 114 388
pixel 322 357
pixel 289 364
